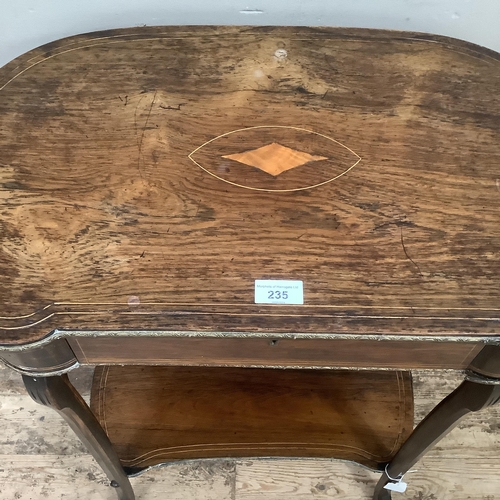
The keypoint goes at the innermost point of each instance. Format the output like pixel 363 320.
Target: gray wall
pixel 25 24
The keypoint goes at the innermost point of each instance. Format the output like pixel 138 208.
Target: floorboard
pixel 41 458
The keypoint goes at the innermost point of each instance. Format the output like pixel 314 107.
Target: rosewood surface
pixel 190 412
pixel 135 192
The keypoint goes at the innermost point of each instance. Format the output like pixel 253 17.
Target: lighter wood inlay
pixel 274 158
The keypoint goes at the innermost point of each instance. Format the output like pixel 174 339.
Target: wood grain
pixel 274 158
pixel 364 417
pixel 42 459
pixel 459 479
pixel 278 352
pixel 103 204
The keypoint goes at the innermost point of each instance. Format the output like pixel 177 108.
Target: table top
pixel 148 177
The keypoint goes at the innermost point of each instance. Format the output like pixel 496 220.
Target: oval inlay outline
pixel 358 158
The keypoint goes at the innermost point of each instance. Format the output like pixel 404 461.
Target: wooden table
pixel 149 177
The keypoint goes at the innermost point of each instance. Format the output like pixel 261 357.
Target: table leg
pixel 57 392
pixel 470 396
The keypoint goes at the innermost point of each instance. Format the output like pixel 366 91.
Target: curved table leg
pixel 57 392
pixel 470 396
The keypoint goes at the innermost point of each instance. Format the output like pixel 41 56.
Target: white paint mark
pixel 281 54
pixel 258 73
pixel 133 300
pixel 251 12
pixel 498 184
pixel 223 168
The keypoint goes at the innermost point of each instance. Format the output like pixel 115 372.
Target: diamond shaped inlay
pixel 274 158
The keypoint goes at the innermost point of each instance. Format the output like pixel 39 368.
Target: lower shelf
pixel 154 415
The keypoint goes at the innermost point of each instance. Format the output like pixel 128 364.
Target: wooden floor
pixel 40 458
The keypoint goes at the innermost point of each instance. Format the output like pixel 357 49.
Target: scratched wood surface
pixel 41 458
pixel 130 197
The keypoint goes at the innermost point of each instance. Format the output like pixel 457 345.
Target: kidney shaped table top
pixel 251 197
pixel 149 176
